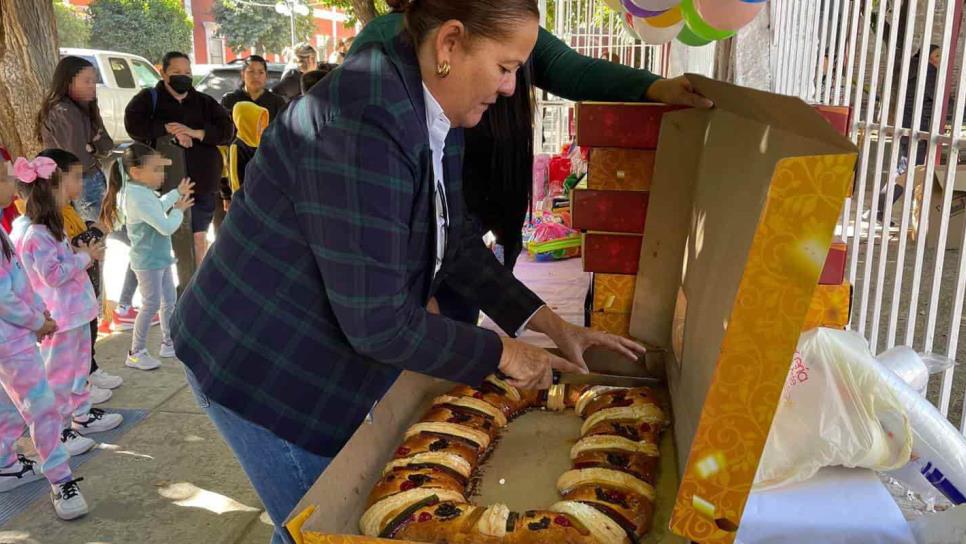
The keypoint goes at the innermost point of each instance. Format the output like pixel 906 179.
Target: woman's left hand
pixel 573 341
pixel 677 92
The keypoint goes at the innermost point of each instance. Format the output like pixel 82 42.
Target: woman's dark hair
pixel 487 18
pixel 498 165
pixel 169 57
pixel 310 78
pixel 134 156
pixel 67 69
pixel 42 207
pixel 252 59
pixel 64 159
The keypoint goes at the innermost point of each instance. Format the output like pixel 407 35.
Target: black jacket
pixel 145 123
pixel 290 85
pixel 272 102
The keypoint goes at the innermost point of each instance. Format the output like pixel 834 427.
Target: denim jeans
pixel 280 471
pixel 157 293
pixel 89 203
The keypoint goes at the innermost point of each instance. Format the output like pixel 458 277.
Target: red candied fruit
pixel 562 521
pixel 645 427
pixel 402 451
pixel 478 395
pixel 407 485
pixel 425 516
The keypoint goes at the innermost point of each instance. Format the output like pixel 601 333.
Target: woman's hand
pixel 186 187
pixel 677 92
pixel 530 367
pixel 573 341
pixel 185 202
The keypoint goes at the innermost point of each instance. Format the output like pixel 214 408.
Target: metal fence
pixel 593 30
pixel 906 262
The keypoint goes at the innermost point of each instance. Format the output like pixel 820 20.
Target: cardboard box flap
pixel 782 112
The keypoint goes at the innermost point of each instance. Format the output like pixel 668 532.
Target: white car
pixel 120 76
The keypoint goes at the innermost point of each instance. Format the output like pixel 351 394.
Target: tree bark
pixel 365 10
pixel 28 56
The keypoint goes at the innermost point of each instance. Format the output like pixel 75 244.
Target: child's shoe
pixel 75 443
pixel 68 501
pixel 167 351
pixel 104 380
pixel 97 421
pixel 142 360
pixel 20 473
pixel 100 396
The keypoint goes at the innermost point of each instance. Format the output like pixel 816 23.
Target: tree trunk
pixel 365 10
pixel 28 56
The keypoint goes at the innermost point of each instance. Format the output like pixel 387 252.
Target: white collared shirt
pixel 439 126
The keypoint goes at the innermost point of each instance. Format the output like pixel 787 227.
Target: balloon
pixel 687 37
pixel 656 5
pixel 614 5
pixel 728 14
pixel 670 17
pixel 632 8
pixel 654 35
pixel 699 27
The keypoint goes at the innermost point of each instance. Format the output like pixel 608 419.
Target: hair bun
pixel 400 5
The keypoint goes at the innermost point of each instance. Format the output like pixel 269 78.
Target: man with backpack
pixel 187 127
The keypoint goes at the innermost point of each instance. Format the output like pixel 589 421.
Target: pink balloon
pixel 728 15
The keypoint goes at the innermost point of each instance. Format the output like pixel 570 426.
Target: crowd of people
pixel 353 247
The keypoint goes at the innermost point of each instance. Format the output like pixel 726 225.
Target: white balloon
pixel 655 5
pixel 655 35
pixel 627 19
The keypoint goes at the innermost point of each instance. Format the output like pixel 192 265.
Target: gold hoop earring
pixel 442 69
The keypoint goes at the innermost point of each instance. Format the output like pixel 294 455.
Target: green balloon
pixel 699 27
pixel 687 37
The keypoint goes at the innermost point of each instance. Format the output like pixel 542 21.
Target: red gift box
pixel 612 253
pixel 609 211
pixel 837 116
pixel 834 271
pixel 627 125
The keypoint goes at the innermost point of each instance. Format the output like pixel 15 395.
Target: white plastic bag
pixel 832 413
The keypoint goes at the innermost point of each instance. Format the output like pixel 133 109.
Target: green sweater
pixel 556 67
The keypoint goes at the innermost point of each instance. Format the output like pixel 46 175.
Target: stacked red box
pixel 834 271
pixel 612 211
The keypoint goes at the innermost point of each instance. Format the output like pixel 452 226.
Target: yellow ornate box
pixel 830 307
pixel 620 169
pixel 610 322
pixel 614 293
pixel 744 202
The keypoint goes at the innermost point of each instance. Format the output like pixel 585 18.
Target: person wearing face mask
pixel 175 111
pixel 306 60
pixel 69 119
pixel 254 76
pixel 352 216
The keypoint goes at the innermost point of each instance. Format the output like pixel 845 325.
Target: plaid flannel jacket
pixel 312 300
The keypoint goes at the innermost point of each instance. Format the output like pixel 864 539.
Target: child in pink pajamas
pixel 25 397
pixel 59 276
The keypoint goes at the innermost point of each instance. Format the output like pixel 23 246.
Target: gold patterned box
pixel 620 169
pixel 830 307
pixel 618 324
pixel 613 293
pixel 744 202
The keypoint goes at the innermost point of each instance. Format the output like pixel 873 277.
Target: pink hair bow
pixel 28 171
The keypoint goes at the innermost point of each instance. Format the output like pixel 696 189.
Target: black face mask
pixel 180 84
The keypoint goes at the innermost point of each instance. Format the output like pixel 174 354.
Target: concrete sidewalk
pixel 169 480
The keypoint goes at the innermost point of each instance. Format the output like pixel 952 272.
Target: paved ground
pixel 169 480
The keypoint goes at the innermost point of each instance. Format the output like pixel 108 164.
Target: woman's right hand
pixel 530 367
pixel 185 202
pixel 186 187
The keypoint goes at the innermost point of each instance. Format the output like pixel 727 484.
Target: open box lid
pixel 744 202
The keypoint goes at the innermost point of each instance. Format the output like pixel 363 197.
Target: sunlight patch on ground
pixel 189 495
pixel 114 448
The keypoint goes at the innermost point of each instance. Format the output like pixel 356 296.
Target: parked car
pixel 120 76
pixel 224 79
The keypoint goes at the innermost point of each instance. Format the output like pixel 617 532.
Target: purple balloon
pixel 637 11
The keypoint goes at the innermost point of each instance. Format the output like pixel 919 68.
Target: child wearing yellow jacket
pixel 250 122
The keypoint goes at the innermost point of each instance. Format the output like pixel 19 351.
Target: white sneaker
pixel 68 501
pixel 97 421
pixel 100 396
pixel 20 473
pixel 142 360
pixel 75 443
pixel 167 351
pixel 102 379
